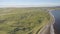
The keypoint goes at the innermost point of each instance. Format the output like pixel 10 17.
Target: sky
pixel 8 3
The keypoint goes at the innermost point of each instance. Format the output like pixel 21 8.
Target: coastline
pixel 48 29
pixel 53 21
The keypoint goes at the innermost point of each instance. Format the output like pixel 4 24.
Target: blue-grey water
pixel 56 14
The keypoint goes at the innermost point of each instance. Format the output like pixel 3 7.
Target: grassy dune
pixel 22 20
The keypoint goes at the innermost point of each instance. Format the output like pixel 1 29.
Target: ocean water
pixel 56 14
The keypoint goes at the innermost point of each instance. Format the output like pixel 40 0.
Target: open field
pixel 22 20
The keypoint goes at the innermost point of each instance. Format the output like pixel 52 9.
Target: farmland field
pixel 22 20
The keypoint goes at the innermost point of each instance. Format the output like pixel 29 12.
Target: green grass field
pixel 22 20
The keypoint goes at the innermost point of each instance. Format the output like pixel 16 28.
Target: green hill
pixel 22 20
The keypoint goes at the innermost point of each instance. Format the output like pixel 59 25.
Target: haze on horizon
pixel 28 3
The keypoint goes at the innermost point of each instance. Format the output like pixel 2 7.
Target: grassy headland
pixel 22 20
